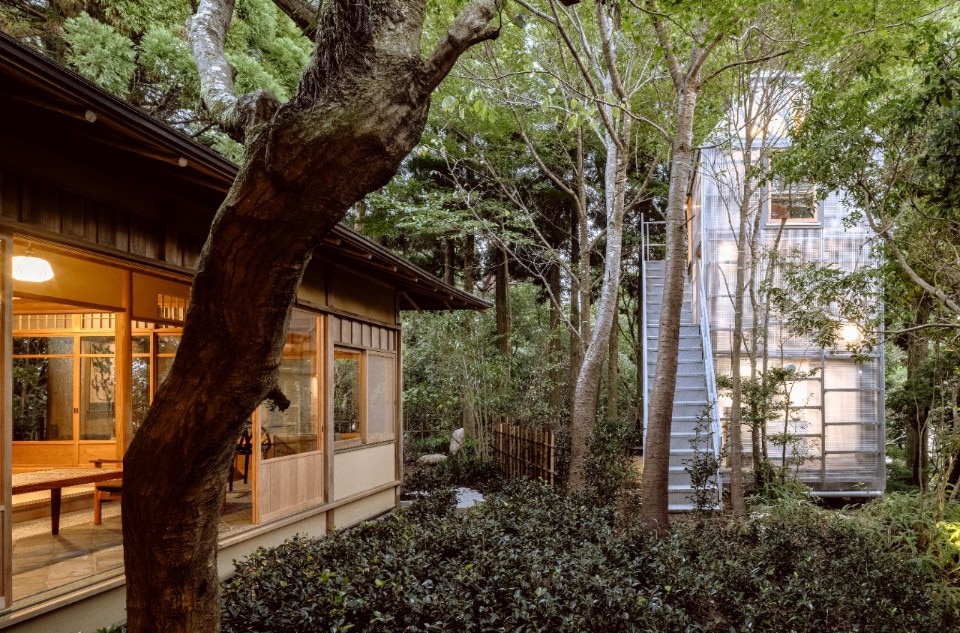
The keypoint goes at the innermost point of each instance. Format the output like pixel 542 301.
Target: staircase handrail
pixel 645 249
pixel 711 376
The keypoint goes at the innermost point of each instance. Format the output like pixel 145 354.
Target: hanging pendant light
pixel 30 268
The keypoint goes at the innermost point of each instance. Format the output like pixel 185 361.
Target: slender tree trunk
pixel 656 468
pixel 357 113
pixel 637 410
pixel 502 291
pixel 449 261
pixel 613 371
pixel 915 443
pixel 468 395
pixel 587 389
pixel 576 343
pixel 555 352
pixel 735 450
pixel 361 210
pixel 764 340
pixel 470 263
pixel 686 83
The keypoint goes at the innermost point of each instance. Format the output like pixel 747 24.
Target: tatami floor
pixel 43 563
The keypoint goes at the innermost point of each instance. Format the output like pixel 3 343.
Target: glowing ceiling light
pixel 30 268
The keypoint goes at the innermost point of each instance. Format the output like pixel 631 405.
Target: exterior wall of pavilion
pixel 102 249
pixel 839 412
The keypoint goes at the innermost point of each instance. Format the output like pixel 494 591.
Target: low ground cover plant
pixel 528 559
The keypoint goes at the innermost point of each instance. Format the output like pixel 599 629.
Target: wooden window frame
pixel 391 433
pixel 360 435
pixel 364 436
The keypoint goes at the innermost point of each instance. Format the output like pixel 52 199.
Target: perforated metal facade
pixel 835 419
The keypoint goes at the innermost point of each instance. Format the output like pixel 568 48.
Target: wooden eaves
pixel 30 80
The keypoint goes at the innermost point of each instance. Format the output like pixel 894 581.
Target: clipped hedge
pixel 530 560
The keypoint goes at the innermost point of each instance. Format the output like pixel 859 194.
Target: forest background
pixel 546 148
pixel 508 193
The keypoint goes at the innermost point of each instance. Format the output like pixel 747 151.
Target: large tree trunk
pixel 344 135
pixel 469 263
pixel 449 261
pixel 613 370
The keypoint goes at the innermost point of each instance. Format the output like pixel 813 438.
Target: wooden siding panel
pixel 73 216
pixel 46 208
pixel 362 296
pixel 355 335
pixel 143 237
pixel 106 226
pixel 190 247
pixel 290 484
pixel 9 195
pixel 313 290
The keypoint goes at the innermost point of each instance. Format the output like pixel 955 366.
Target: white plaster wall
pixel 358 470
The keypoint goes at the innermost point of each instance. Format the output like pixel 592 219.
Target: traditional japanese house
pixel 103 212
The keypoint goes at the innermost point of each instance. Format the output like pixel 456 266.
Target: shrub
pixel 528 559
pixel 920 529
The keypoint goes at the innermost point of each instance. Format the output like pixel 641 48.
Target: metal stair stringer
pixel 693 398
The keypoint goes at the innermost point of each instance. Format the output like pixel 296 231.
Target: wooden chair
pixel 105 490
pixel 245 448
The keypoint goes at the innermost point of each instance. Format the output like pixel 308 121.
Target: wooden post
pixel 6 420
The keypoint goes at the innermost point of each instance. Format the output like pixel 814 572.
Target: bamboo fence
pixel 522 452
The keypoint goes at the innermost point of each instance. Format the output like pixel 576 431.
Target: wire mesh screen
pixel 835 420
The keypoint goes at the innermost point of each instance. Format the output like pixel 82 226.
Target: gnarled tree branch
pixel 207 32
pixel 303 13
pixel 471 26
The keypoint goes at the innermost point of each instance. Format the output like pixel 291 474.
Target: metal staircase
pixel 695 397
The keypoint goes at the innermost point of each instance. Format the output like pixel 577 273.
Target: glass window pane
pixel 141 344
pixel 97 395
pixel 38 345
pixel 141 390
pixel 381 401
pixel 346 395
pixel 42 399
pixel 163 368
pixel 96 345
pixel 168 343
pixel 295 430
